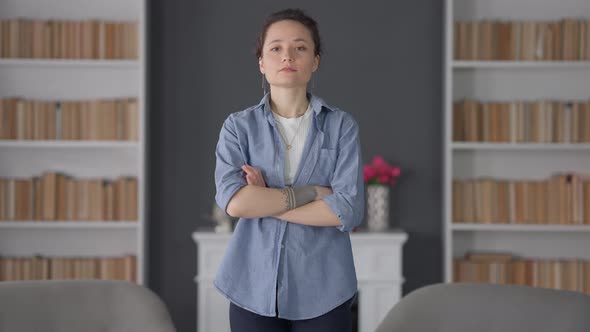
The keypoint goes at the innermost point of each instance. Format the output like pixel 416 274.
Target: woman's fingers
pixel 251 170
pixel 251 178
pixel 254 175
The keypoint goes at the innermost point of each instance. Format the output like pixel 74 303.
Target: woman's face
pixel 288 55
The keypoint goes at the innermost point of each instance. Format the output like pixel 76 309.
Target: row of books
pixel 54 196
pixel 60 268
pixel 542 121
pixel 499 268
pixel 565 39
pixel 98 119
pixel 562 199
pixel 68 39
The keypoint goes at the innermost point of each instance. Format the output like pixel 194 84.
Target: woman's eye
pixel 301 48
pixel 274 49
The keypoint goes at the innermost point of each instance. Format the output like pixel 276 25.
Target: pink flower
pixel 369 171
pixel 380 172
pixel 384 179
pixel 380 164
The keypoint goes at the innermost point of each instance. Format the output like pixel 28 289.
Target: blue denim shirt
pixel 304 270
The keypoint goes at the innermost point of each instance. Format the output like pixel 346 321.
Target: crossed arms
pixel 341 205
pixel 255 201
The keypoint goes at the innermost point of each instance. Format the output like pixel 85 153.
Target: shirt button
pixel 282 246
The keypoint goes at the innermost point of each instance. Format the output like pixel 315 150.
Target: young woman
pixel 290 168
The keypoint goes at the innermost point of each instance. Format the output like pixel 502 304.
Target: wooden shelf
pixel 70 224
pixel 519 146
pixel 519 228
pixel 31 63
pixel 476 64
pixel 68 144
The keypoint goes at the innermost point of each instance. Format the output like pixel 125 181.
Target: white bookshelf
pixel 64 63
pixel 509 81
pixel 55 144
pixel 465 227
pixel 77 79
pixel 464 64
pixel 468 146
pixel 69 224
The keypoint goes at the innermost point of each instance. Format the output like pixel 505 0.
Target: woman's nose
pixel 287 56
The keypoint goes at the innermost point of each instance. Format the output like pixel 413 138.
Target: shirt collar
pixel 317 105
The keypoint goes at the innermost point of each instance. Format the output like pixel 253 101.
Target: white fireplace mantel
pixel 378 264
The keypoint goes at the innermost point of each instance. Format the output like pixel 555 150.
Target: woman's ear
pixel 316 63
pixel 261 65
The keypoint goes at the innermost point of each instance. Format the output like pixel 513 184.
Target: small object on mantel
pixel 223 222
pixel 363 229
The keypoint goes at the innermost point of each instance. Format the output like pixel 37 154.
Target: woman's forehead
pixel 287 30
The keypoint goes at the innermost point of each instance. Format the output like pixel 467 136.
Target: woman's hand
pixel 254 176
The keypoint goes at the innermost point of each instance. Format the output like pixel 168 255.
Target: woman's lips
pixel 289 70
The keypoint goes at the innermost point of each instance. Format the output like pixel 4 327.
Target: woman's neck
pixel 289 103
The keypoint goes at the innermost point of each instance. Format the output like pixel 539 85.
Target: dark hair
pixel 290 14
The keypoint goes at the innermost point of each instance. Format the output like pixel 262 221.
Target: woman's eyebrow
pixel 295 40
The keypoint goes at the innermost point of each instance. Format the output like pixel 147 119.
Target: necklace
pixel 289 144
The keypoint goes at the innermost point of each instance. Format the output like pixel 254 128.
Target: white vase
pixel 377 207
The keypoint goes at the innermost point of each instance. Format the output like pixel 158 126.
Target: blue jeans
pixel 338 319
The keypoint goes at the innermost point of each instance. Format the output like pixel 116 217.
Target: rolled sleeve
pixel 228 166
pixel 348 198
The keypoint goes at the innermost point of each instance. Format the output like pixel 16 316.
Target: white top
pixel 288 130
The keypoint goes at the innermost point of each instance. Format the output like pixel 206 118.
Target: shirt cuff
pixel 341 209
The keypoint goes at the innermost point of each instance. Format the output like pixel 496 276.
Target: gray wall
pixel 382 63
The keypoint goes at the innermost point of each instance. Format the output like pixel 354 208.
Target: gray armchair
pixel 467 307
pixel 80 305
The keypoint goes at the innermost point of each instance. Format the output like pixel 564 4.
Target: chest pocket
pixel 324 168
